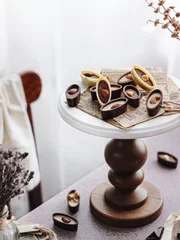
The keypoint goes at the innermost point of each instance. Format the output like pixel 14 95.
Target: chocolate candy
pixel 115 91
pixel 133 95
pixel 114 108
pixel 126 79
pixel 156 235
pixel 73 95
pixel 65 221
pixel 143 78
pixel 89 77
pixel 103 91
pixel 167 159
pixel 154 102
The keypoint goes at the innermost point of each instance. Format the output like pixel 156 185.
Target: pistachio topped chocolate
pixel 154 101
pixel 73 95
pixel 114 108
pixel 103 91
pixel 126 79
pixel 133 95
pixel 167 159
pixel 89 77
pixel 143 78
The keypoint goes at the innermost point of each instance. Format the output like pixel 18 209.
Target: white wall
pixel 57 39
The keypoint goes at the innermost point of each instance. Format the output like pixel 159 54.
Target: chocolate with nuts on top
pixel 144 77
pixel 114 108
pixel 133 95
pixel 115 91
pixel 126 79
pixel 154 101
pixel 103 91
pixel 167 159
pixel 64 221
pixel 73 95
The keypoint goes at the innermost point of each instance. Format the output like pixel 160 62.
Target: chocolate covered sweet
pixel 126 79
pixel 65 221
pixel 114 108
pixel 133 95
pixel 156 235
pixel 93 93
pixel 154 102
pixel 115 91
pixel 167 159
pixel 73 199
pixel 73 95
pixel 103 91
pixel 89 77
pixel 143 78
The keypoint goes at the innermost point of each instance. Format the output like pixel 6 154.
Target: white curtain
pixel 58 38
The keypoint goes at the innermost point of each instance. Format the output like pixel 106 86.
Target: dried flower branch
pixel 170 17
pixel 13 176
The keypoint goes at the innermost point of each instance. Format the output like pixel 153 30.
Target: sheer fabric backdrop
pixel 57 39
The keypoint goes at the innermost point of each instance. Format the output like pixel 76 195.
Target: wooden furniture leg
pixel 126 201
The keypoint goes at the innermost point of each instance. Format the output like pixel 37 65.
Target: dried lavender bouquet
pixel 169 17
pixel 13 176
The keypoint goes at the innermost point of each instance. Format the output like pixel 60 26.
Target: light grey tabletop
pixel 91 229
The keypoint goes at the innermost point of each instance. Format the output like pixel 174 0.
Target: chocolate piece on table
pixel 65 221
pixel 73 95
pixel 133 95
pixel 143 78
pixel 167 159
pixel 126 79
pixel 178 235
pixel 93 93
pixel 156 235
pixel 115 91
pixel 154 102
pixel 89 77
pixel 73 200
pixel 103 91
pixel 114 108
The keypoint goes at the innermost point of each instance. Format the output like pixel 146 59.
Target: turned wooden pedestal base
pixel 126 201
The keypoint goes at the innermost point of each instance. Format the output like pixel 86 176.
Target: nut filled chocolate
pixel 73 95
pixel 126 79
pixel 64 221
pixel 115 91
pixel 89 77
pixel 133 95
pixel 167 159
pixel 156 235
pixel 143 78
pixel 114 108
pixel 154 102
pixel 73 199
pixel 103 91
pixel 93 93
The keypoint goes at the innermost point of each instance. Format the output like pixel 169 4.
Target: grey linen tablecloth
pixel 168 180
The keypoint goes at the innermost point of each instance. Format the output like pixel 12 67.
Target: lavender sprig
pixel 13 176
pixel 169 17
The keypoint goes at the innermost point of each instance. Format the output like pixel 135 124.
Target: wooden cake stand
pixel 126 200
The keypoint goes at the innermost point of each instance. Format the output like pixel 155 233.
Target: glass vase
pixel 8 230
